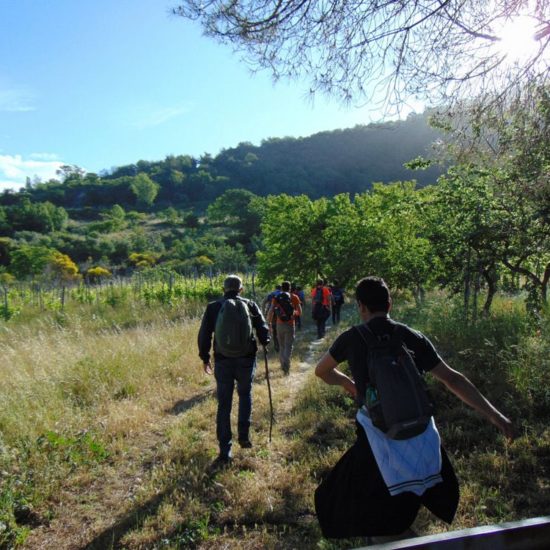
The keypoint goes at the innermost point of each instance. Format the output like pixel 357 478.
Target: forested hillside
pixel 324 164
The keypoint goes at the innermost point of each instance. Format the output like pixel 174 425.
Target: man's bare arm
pixel 467 392
pixel 326 370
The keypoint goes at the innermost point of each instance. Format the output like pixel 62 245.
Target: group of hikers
pixel 397 462
pixel 284 308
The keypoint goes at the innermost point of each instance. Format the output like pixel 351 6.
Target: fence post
pixel 254 284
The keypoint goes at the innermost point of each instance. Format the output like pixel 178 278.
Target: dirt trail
pixel 103 507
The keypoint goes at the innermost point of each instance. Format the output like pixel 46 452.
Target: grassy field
pixel 107 431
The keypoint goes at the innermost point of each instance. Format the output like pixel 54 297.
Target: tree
pixel 145 189
pixel 292 242
pixel 466 229
pixel 502 184
pixel 390 50
pixel 29 261
pixel 70 173
pixel 116 217
pixel 239 210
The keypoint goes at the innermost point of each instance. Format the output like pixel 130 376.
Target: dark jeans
pixel 227 371
pixel 321 326
pixel 274 334
pixel 336 313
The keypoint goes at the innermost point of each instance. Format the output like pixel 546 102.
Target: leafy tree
pixel 5 227
pixel 28 261
pixel 292 243
pixel 40 217
pixel 115 218
pixel 393 217
pixel 5 246
pixel 145 189
pixel 237 209
pixel 70 173
pixel 354 49
pixel 466 229
pixel 515 163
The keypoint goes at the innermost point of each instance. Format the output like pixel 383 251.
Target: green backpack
pixel 233 334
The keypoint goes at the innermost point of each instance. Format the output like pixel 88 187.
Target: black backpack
pixel 284 309
pixel 233 334
pixel 319 311
pixel 338 295
pixel 397 397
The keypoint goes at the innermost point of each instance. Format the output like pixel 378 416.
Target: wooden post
pixel 254 284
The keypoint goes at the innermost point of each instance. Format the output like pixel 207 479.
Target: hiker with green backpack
pixel 232 320
pixel 397 462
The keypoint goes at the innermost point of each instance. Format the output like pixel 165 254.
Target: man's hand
pixel 207 368
pixel 505 426
pixel 350 387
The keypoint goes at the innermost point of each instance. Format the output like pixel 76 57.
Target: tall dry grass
pixel 121 413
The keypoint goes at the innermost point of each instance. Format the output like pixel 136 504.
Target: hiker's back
pixel 233 335
pixel 396 395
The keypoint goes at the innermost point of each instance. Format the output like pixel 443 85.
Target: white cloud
pixel 151 118
pixel 17 100
pixel 14 169
pixel 44 156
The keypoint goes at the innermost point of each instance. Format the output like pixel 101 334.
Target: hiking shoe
pixel 245 443
pixel 221 461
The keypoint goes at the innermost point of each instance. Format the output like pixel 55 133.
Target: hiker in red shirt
pixel 320 306
pixel 284 307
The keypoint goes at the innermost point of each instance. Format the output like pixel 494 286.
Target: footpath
pixel 99 508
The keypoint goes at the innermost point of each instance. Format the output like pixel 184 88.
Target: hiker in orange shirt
pixel 284 307
pixel 320 306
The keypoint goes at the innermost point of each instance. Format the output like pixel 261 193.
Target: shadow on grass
pixel 110 538
pixel 183 405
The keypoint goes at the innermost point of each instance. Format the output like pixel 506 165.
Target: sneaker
pixel 245 443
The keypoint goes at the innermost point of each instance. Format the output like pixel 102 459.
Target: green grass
pixel 109 413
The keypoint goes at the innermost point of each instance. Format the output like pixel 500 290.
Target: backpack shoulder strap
pixel 367 335
pixel 398 334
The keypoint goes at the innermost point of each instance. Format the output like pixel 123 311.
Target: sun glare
pixel 517 38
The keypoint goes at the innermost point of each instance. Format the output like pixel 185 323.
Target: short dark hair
pixel 232 282
pixel 285 286
pixel 374 293
pixel 320 282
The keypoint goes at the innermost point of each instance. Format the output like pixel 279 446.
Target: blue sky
pixel 109 82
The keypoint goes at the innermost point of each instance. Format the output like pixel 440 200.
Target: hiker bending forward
pixel 232 320
pixel 378 485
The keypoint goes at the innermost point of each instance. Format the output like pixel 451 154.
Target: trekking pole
pixel 269 392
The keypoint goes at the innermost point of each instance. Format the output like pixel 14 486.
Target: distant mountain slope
pixel 324 164
pixel 328 163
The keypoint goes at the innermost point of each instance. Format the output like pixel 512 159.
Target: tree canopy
pixel 391 51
